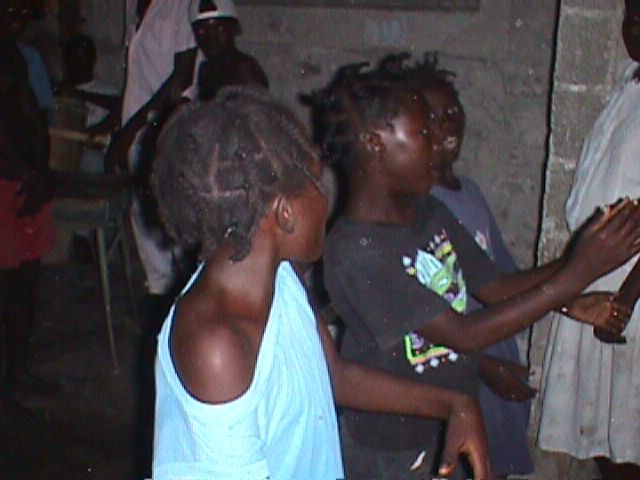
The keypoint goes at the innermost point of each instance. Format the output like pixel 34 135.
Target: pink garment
pixel 22 238
pixel 164 31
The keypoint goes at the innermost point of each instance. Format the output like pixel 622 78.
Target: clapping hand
pixel 506 379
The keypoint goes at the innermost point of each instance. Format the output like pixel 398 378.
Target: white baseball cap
pixel 206 9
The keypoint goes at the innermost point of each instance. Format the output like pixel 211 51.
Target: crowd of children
pixel 247 375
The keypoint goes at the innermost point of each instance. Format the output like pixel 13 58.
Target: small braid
pixel 221 162
pixel 426 74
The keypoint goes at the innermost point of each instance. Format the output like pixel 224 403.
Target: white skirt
pixel 591 399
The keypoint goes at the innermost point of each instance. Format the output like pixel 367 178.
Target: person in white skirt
pixel 591 400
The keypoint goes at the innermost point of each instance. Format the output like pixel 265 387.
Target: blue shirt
pixel 282 428
pixel 38 77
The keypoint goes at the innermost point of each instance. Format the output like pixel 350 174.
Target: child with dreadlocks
pixel 503 393
pixel 244 372
pixel 399 268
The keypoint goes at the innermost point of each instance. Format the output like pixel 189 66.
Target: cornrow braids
pixel 221 162
pixel 355 101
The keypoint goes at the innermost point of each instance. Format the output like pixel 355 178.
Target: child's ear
pixel 372 142
pixel 284 214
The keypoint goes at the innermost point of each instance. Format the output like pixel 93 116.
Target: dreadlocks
pixel 221 162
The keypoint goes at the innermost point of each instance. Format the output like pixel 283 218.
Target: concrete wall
pixel 589 49
pixel 502 55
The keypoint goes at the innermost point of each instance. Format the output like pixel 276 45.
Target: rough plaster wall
pixel 502 55
pixel 102 20
pixel 588 53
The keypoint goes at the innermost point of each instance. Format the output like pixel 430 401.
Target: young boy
pixel 244 372
pixel 503 393
pixel 215 28
pixel 399 267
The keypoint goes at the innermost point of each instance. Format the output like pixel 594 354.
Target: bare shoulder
pixel 215 357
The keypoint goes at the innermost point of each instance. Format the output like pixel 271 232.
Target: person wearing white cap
pixel 215 27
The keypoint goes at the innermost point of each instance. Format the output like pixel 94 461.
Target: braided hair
pixel 221 162
pixel 427 74
pixel 354 102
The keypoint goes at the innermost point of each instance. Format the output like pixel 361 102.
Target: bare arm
pixel 630 290
pixel 360 387
pixel 508 285
pixel 177 82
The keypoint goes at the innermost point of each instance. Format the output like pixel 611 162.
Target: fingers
pixel 607 337
pixel 617 319
pixel 610 212
pixel 519 370
pixel 523 392
pixel 621 224
pixel 479 463
pixel 624 219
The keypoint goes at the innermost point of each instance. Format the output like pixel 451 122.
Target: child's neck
pixel 446 178
pixel 244 288
pixel 377 206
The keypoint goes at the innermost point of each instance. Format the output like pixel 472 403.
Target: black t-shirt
pixel 386 282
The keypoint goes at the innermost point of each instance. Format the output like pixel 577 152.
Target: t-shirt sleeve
pixel 377 299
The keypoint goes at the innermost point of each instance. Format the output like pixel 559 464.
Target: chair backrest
pixel 66 153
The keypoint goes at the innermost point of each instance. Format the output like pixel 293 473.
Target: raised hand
pixel 506 379
pixel 606 241
pixel 466 434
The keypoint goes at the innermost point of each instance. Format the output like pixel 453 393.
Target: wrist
pixel 462 403
pixel 571 280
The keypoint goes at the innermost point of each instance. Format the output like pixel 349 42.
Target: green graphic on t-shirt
pixel 437 268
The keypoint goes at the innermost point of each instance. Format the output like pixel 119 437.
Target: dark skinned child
pixel 79 60
pixel 399 267
pixel 244 372
pixel 503 393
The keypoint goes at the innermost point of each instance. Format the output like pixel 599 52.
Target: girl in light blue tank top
pixel 280 421
pixel 282 427
pixel 244 373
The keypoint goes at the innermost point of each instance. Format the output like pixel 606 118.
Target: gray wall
pixel 502 55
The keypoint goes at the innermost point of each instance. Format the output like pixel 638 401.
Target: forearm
pixel 629 292
pixel 483 328
pixel 515 283
pixel 360 387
